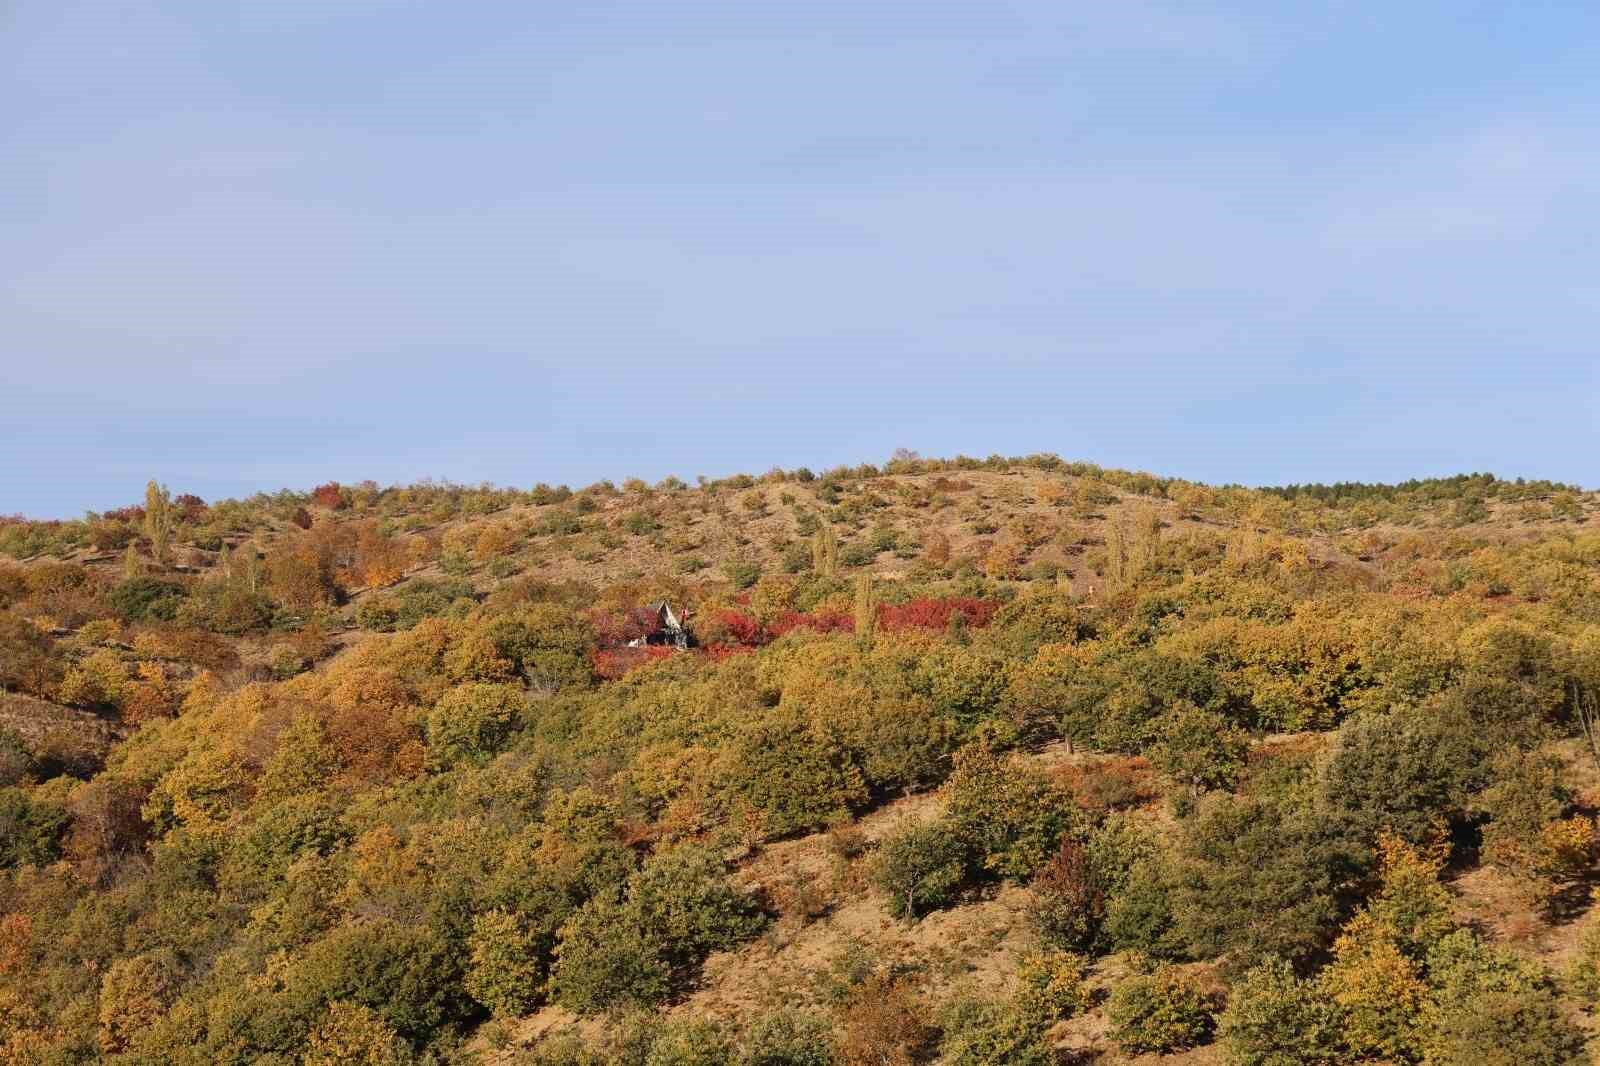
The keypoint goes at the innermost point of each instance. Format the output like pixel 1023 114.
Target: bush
pixel 621 949
pixel 1200 750
pixel 1068 902
pixel 979 1033
pixel 741 573
pixel 1491 1008
pixel 604 959
pixel 353 1035
pixel 505 969
pixel 922 868
pixel 883 1025
pixel 689 1042
pixel 407 975
pixel 1009 812
pixel 682 898
pixel 142 599
pixel 1276 1019
pixel 797 776
pixel 30 830
pixel 857 553
pixel 472 722
pixel 17 763
pixel 787 1038
pixel 1161 1012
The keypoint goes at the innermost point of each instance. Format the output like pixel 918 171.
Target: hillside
pixel 972 761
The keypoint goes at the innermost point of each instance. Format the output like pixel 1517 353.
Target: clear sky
pixel 254 243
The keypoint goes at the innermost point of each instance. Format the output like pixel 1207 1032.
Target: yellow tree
pixel 158 521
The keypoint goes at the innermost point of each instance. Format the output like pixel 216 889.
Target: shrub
pixel 857 553
pixel 1068 901
pixel 604 959
pixel 1583 973
pixel 1010 813
pixel 30 830
pixel 742 573
pixel 1259 877
pixel 689 1042
pixel 134 992
pixel 472 722
pixel 683 899
pixel 141 599
pixel 505 969
pixel 352 1035
pixel 883 1025
pixel 406 975
pixel 1199 749
pixel 787 1038
pixel 978 1033
pixel 798 777
pixel 1163 1011
pixel 922 868
pixel 1276 1019
pixel 16 761
pixel 1490 1008
pixel 1050 986
pixel 620 949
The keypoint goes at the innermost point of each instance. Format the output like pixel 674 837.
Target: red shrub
pixel 935 614
pixel 613 663
pixel 301 518
pixel 614 628
pixel 329 495
pixel 190 505
pixel 738 628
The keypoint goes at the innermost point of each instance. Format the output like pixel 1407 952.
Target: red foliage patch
pixel 329 496
pixel 612 663
pixel 615 628
pixel 935 613
pixel 131 515
pixel 741 629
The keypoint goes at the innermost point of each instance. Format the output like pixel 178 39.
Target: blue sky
pixel 246 245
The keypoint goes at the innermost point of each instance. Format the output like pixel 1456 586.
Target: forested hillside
pixel 971 761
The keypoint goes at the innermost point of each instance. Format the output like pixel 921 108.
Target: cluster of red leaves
pixel 329 496
pixel 741 629
pixel 612 663
pixel 190 505
pixel 935 613
pixel 130 515
pixel 614 628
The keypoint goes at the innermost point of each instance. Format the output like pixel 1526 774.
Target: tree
pixel 921 868
pixel 158 522
pixel 824 552
pixel 472 722
pixel 1200 750
pixel 1275 1018
pixel 1163 1011
pixel 506 969
pixel 352 1035
pixel 866 610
